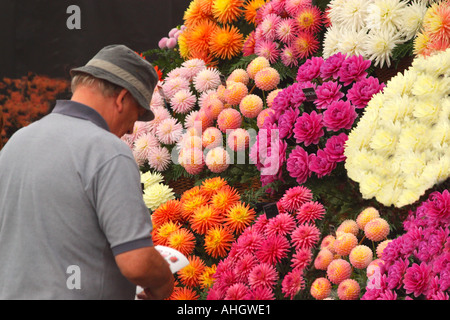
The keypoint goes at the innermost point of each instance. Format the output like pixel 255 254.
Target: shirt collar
pixel 78 110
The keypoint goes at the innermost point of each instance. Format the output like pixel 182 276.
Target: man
pixel 73 224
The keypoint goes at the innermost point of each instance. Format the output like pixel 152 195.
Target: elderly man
pixel 73 224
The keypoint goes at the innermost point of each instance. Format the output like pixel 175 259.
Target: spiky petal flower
pixel 295 197
pixel 263 275
pixel 273 249
pixel 226 42
pixel 292 283
pixel 305 45
pixel 305 236
pixel 182 240
pixel 204 218
pixel 207 79
pixel 218 241
pixel 227 11
pixel 267 49
pixel 190 275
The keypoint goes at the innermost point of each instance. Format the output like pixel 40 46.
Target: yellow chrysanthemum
pixel 251 9
pixel 210 186
pixel 226 42
pixel 227 11
pixel 182 240
pixel 218 241
pixel 239 216
pixel 204 218
pixel 207 278
pixel 162 233
pixel 190 275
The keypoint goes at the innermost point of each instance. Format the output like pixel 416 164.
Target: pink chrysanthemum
pixel 229 119
pixel 417 278
pixel 172 86
pixel 293 7
pixel 287 30
pixel 292 283
pixel 207 79
pixel 238 140
pixel 161 114
pixel 191 67
pixel 282 224
pixel 159 158
pixel 310 211
pixel 295 197
pixel 142 146
pixel 308 128
pixel 261 293
pixel 169 131
pixel 301 259
pixel 237 291
pixel 263 275
pixel 189 121
pixel 327 93
pixel 273 249
pixel 249 242
pixel 269 26
pixel 183 101
pixel 305 45
pixel 267 79
pixel 309 19
pixel 267 49
pixel 248 47
pixel 243 266
pixel 251 106
pixel 289 56
pixel 217 159
pixel 305 236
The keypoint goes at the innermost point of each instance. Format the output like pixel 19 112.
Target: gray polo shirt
pixel 70 200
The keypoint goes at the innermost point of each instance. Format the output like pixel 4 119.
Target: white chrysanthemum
pixel 385 14
pixel 191 67
pixel 335 11
pixel 352 42
pixel 379 45
pixel 169 131
pixel 331 40
pixel 157 194
pixel 183 101
pixel 149 178
pixel 353 14
pixel 401 84
pixel 207 79
pixel 412 18
pixel 159 158
pixel 427 111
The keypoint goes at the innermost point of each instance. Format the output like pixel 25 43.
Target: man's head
pixel 119 84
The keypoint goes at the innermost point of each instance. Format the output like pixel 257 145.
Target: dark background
pixel 34 36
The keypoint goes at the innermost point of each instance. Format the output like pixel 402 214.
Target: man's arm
pixel 145 267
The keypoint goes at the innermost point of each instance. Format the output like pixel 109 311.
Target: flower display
pixel 415 265
pixel 310 133
pixel 372 29
pixel 254 260
pixel 399 149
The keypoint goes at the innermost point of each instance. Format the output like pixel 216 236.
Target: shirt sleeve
pixel 122 214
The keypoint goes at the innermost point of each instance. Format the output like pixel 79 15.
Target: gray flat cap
pixel 122 66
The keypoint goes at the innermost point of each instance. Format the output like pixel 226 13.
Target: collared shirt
pixel 70 201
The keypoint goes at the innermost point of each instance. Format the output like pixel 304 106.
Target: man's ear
pixel 120 100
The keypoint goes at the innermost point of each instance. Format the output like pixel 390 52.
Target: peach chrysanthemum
pixel 271 96
pixel 227 11
pixel 323 259
pixel 239 216
pixel 235 92
pixel 224 198
pixel 436 21
pixel 210 186
pixel 207 278
pixel 361 256
pixel 328 243
pixel 376 229
pixel 190 275
pixel 214 107
pixel 251 105
pixel 380 248
pixel 339 270
pixel 239 75
pixel 204 218
pixel 192 160
pixel 218 241
pixel 238 140
pixel 229 119
pixel 349 226
pixel 309 19
pixel 168 211
pixel 251 9
pixel 348 289
pixel 365 216
pixel 305 45
pixel 203 119
pixel 321 288
pixel 226 42
pixel 184 294
pixel 211 138
pixel 217 159
pixel 189 205
pixel 162 233
pixel 182 240
pixel 256 65
pixel 262 117
pixel 344 243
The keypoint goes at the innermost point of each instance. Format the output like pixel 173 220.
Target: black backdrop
pixel 34 36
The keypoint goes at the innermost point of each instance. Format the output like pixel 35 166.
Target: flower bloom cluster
pixel 416 265
pixel 273 250
pixel 155 191
pixel 304 137
pixel 435 32
pixel 171 40
pixel 286 31
pixel 400 147
pixel 371 28
pixel 345 251
pixel 202 224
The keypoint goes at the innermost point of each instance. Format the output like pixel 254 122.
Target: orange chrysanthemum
pixel 321 288
pixel 190 205
pixel 218 241
pixel 226 11
pixel 200 35
pixel 376 229
pixel 190 275
pixel 239 216
pixel 209 187
pixel 182 240
pixel 183 293
pixel 339 270
pixel 226 42
pixel 194 14
pixel 225 198
pixel 207 278
pixel 162 233
pixel 251 9
pixel 168 211
pixel 206 6
pixel 348 289
pixel 204 218
pixel 188 194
